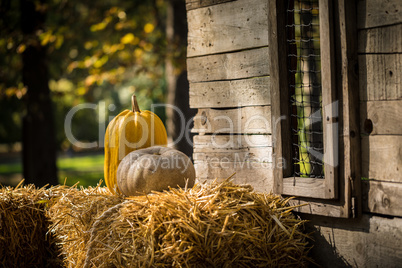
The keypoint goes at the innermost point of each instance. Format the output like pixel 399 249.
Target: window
pixel 315 117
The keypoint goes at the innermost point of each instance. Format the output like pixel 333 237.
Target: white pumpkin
pixel 154 168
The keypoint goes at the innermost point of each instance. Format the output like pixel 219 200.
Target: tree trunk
pixel 38 139
pixel 176 76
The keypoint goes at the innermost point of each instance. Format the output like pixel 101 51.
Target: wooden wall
pixel 380 81
pixel 229 74
pixel 228 70
pixel 375 238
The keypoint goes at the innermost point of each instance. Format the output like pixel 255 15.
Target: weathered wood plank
pixel 374 13
pixel 380 77
pixel 306 187
pixel 245 92
pixel 233 148
pixel 227 27
pixel 381 117
pixel 234 142
pixel 349 158
pixel 282 148
pixel 370 241
pixel 193 4
pixel 312 206
pixel 262 154
pixel 243 120
pixel 238 65
pixel 382 158
pixel 381 40
pixel 328 74
pixel 258 175
pixel 382 197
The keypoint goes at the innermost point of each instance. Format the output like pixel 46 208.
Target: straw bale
pixel 211 225
pixel 23 229
pixel 220 224
pixel 73 213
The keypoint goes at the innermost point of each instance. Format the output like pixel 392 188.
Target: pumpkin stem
pixel 134 104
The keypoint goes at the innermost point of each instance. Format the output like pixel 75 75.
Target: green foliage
pixel 97 51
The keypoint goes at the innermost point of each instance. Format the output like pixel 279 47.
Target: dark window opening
pixel 304 84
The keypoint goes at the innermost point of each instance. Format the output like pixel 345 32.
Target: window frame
pixel 338 193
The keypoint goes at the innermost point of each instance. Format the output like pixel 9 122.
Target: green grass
pixel 87 170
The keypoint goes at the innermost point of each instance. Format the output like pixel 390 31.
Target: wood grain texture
pixel 193 4
pixel 380 77
pixel 349 146
pixel 243 120
pixel 282 149
pixel 233 148
pixel 382 197
pixel 375 13
pixel 327 52
pixel 238 93
pixel 314 206
pixel 258 175
pixel 382 157
pixel 381 40
pixel 369 241
pixel 381 117
pixel 227 27
pixel 306 187
pixel 237 65
pixel 232 141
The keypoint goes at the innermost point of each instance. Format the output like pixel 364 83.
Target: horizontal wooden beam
pixel 381 158
pixel 193 4
pixel 382 197
pixel 381 117
pixel 381 40
pixel 306 187
pixel 380 77
pixel 376 13
pixel 258 175
pixel 224 94
pixel 243 120
pixel 232 141
pixel 227 27
pixel 237 65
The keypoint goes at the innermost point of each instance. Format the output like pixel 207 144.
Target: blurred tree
pixel 176 76
pixel 38 139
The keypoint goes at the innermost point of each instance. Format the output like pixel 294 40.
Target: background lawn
pixel 85 169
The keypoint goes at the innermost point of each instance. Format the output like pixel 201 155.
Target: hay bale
pixel 220 224
pixel 73 214
pixel 23 229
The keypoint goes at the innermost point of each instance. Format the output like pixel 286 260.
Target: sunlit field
pixel 87 170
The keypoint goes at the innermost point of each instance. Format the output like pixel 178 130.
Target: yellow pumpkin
pixel 127 132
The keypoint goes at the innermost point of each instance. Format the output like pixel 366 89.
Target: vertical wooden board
pixel 375 13
pixel 380 77
pixel 258 175
pixel 382 158
pixel 381 117
pixel 238 65
pixel 242 120
pixel 381 40
pixel 227 27
pixel 370 241
pixel 238 93
pixel 382 197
